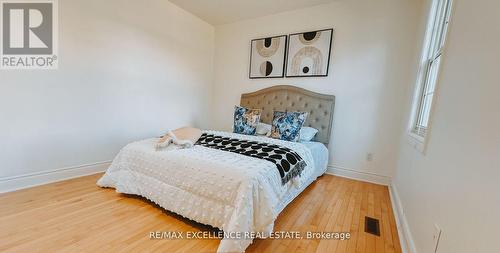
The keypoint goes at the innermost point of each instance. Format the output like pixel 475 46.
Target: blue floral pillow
pixel 245 120
pixel 287 125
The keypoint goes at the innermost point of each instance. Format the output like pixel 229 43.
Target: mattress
pixel 320 154
pixel 233 192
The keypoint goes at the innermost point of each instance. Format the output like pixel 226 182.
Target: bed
pixel 235 193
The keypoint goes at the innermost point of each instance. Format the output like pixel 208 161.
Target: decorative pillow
pixel 287 125
pixel 263 128
pixel 245 120
pixel 307 133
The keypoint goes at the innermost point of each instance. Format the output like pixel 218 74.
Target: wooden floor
pixel 77 216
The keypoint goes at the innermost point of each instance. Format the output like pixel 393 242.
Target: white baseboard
pixel 358 175
pixel 405 236
pixel 8 184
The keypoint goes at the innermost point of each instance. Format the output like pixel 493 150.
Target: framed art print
pixel 309 53
pixel 267 57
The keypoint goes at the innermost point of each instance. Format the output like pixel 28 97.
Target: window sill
pixel 416 141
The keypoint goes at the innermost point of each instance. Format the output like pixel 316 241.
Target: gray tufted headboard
pixel 290 98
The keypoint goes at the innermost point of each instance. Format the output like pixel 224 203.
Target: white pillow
pixel 263 129
pixel 306 133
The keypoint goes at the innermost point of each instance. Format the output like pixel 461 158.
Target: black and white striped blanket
pixel 288 162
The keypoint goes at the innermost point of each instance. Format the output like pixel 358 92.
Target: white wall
pixel 127 71
pixel 373 63
pixel 456 183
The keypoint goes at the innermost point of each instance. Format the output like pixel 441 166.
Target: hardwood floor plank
pixel 77 216
pixel 353 229
pixel 361 235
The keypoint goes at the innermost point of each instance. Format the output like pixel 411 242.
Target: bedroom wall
pixel 127 71
pixel 455 183
pixel 373 64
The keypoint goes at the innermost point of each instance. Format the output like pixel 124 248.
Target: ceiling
pixel 217 12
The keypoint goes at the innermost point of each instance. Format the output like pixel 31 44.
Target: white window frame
pixel 438 25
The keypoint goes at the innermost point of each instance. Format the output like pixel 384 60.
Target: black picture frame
pixel 285 49
pixel 328 59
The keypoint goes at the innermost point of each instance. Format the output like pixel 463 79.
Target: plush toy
pixel 184 137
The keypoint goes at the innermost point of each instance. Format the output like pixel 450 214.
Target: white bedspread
pixel 233 192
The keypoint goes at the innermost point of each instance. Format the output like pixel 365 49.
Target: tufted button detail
pixel 285 100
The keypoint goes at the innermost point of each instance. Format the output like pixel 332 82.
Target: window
pixel 429 68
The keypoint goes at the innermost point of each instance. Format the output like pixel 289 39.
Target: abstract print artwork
pixel 267 57
pixel 309 53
